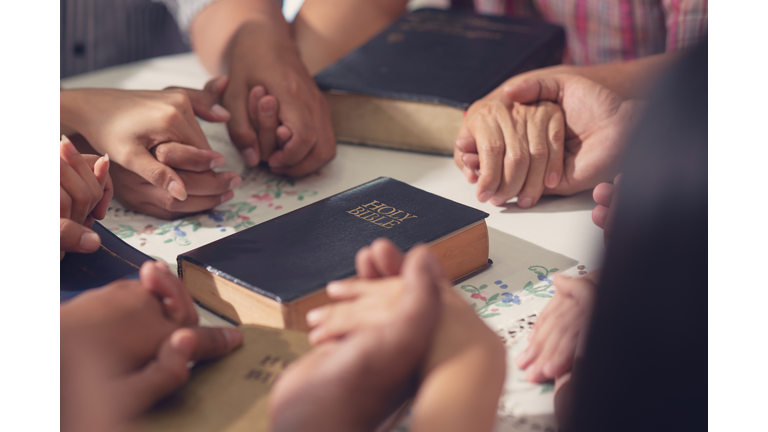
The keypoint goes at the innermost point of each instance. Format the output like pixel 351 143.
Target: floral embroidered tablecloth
pixel 508 295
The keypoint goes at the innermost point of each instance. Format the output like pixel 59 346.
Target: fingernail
pixel 233 336
pixel 227 196
pixel 218 162
pixel 485 196
pixel 163 267
pixel 522 358
pixel 552 180
pixel 268 107
pixel 315 316
pixel 70 148
pixel 89 241
pixel 106 159
pixel 548 369
pixel 333 287
pixel 64 139
pixel 177 191
pixel 524 202
pixel 237 181
pixel 219 110
pixel 183 342
pixel 498 201
pixel 250 156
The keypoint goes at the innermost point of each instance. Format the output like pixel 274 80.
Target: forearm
pixel 215 27
pixel 462 393
pixel 326 30
pixel 69 116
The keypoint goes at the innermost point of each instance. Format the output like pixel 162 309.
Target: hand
pixel 139 336
pixel 149 132
pixel 556 335
pixel 518 146
pixel 605 213
pixel 86 190
pixel 597 123
pixel 294 136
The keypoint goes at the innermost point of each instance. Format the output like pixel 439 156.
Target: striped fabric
pixel 100 33
pixel 605 31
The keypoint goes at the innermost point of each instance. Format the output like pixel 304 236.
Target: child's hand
pixel 86 190
pixel 558 329
pixel 149 132
pixel 517 149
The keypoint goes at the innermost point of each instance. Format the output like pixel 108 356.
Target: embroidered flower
pixel 478 296
pixel 179 232
pixel 510 298
pixel 217 216
pixel 243 217
pixel 544 278
pixel 260 198
pixel 149 229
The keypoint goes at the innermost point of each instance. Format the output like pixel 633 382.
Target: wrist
pixel 69 106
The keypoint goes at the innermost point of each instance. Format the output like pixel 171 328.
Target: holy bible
pixel 229 394
pixel 273 273
pixel 408 87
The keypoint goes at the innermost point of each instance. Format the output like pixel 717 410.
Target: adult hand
pixel 604 214
pixel 294 136
pixel 518 146
pixel 597 123
pixel 149 132
pixel 86 190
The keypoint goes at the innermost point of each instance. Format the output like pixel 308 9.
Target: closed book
pixel 115 259
pixel 273 273
pixel 229 394
pixel 407 87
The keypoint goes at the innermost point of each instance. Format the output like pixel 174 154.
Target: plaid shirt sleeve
pixel 686 22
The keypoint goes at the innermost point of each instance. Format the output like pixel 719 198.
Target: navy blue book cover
pixel 300 252
pixel 114 260
pixel 447 57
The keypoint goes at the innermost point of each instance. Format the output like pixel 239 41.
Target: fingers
pixel 214 342
pixel 193 204
pixel 537 132
pixel 491 151
pixel 240 128
pixel 210 183
pixel 331 321
pixel 263 110
pixel 205 103
pixel 320 155
pixel 101 170
pixel 603 193
pixel 150 169
pixel 516 160
pixel 381 259
pixel 599 216
pixel 174 297
pixel 284 134
pixel 534 89
pixel 185 157
pixel 74 237
pixel 556 142
pixel 78 192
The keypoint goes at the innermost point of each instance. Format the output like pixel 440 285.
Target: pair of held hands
pixel 544 132
pixel 128 344
pixel 162 162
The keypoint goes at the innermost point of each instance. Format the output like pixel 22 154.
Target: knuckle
pixel 163 154
pixel 517 162
pixel 495 149
pixel 167 202
pixel 156 175
pixel 539 154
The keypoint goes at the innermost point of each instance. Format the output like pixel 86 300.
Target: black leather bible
pixel 273 273
pixel 408 86
pixel 115 259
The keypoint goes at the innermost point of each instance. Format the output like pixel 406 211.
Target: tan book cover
pixel 229 394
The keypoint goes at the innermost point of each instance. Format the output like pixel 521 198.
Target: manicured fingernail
pixel 552 180
pixel 315 316
pixel 227 196
pixel 267 107
pixel 219 110
pixel 250 156
pixel 70 148
pixel 524 202
pixel 65 139
pixel 498 201
pixel 177 191
pixel 218 162
pixel 183 343
pixel 237 181
pixel 233 336
pixel 106 159
pixel 485 196
pixel 89 241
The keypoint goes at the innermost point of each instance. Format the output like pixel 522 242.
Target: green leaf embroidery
pixel 553 270
pixel 483 286
pixel 168 241
pixel 528 286
pixel 489 315
pixel 493 298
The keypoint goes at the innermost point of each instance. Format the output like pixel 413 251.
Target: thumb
pixel 534 89
pixel 74 237
pixel 144 164
pixel 101 170
pixel 205 103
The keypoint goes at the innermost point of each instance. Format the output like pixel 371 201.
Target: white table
pixel 558 232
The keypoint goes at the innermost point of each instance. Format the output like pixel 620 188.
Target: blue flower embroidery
pixel 218 217
pixel 544 278
pixel 510 298
pixel 179 232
